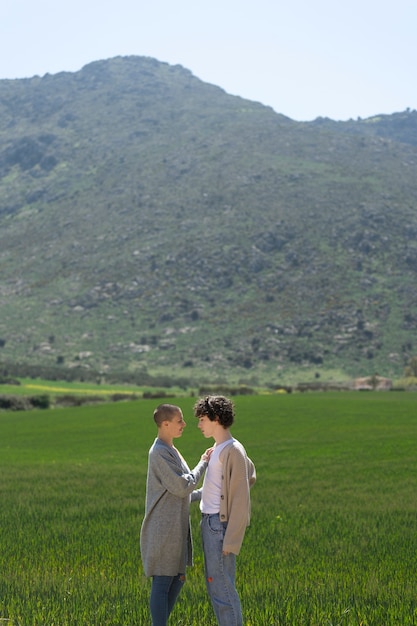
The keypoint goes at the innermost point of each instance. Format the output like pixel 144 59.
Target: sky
pixel 304 58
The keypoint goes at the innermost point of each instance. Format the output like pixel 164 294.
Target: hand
pixel 225 553
pixel 207 454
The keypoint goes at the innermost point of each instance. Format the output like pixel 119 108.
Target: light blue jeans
pixel 220 573
pixel 164 593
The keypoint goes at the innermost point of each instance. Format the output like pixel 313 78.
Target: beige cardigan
pixel 238 476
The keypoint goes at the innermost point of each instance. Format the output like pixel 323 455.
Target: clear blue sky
pixel 305 59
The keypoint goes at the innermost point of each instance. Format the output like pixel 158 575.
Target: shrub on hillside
pixel 7 380
pixel 411 370
pixel 24 403
pixel 14 403
pixel 73 400
pixel 40 402
pixel 118 397
pixel 226 390
pixel 148 395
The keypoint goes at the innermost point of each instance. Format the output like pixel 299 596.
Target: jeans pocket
pixel 215 525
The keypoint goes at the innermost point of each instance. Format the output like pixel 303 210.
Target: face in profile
pixel 176 425
pixel 206 426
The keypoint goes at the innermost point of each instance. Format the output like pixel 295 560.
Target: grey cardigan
pixel 165 538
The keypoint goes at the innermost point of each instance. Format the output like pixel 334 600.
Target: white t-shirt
pixel 210 495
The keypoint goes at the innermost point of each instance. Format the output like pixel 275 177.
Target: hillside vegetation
pixel 150 222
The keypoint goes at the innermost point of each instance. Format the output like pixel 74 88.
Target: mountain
pixel 152 223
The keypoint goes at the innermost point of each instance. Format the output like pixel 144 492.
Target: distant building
pixel 372 383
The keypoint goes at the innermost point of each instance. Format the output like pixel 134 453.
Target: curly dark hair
pixel 216 407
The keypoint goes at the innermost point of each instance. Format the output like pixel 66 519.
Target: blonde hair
pixel 165 412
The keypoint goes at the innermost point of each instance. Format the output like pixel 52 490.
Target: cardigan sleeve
pixel 196 495
pixel 167 469
pixel 241 475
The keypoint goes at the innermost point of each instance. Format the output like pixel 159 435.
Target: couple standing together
pixel 166 543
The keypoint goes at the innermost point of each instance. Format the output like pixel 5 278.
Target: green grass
pixel 332 540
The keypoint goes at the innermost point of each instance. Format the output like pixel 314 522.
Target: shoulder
pixel 233 450
pixel 161 450
pixel 235 457
pixel 237 448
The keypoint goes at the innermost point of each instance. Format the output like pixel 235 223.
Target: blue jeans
pixel 220 572
pixel 164 593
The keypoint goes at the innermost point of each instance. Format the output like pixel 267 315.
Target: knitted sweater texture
pixel 238 476
pixel 165 539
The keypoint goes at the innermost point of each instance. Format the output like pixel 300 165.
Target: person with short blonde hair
pixel 165 540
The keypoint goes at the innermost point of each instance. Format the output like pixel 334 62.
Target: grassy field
pixel 333 536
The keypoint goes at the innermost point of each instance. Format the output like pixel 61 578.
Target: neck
pixel 222 435
pixel 168 440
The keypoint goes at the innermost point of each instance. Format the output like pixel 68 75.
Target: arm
pixel 167 469
pixel 242 476
pixel 196 495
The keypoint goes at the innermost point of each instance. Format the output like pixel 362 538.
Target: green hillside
pixel 150 222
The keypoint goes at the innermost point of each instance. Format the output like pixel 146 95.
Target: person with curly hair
pixel 225 506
